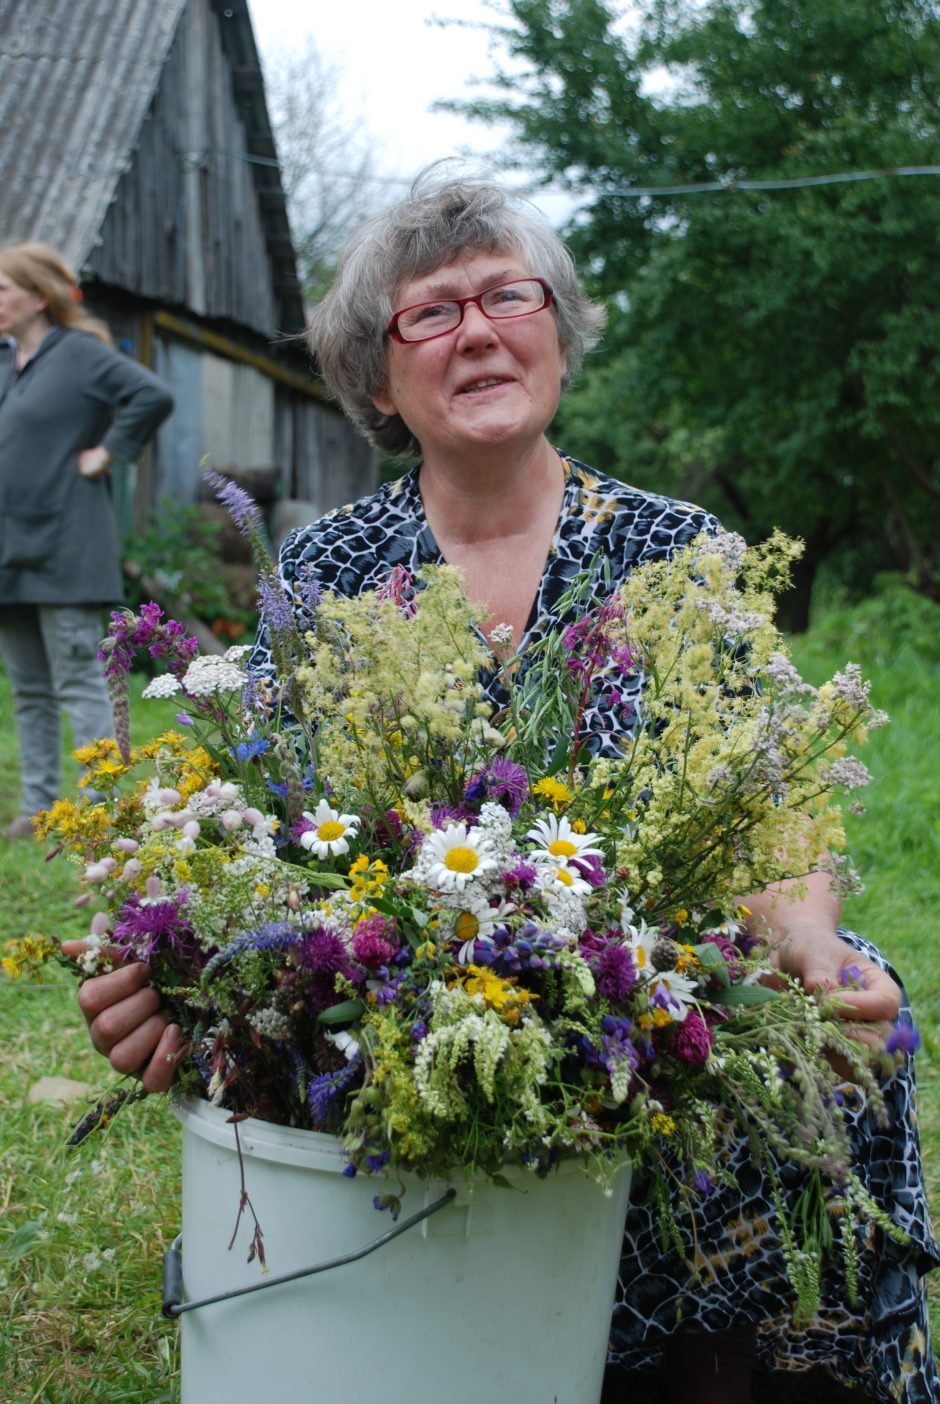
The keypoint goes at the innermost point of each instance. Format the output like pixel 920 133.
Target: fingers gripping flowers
pixel 454 939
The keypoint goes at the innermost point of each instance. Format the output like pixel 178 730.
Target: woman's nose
pixel 475 326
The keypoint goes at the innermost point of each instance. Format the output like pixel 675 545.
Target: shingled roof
pixel 77 80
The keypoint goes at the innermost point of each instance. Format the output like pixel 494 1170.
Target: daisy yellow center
pixel 564 876
pixel 466 926
pixel 330 829
pixel 562 848
pixel 461 858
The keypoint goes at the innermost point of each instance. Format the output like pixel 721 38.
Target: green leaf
pixel 342 1013
pixel 711 958
pixel 745 994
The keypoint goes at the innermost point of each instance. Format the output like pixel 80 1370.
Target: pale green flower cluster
pixel 464 1030
pixel 391 691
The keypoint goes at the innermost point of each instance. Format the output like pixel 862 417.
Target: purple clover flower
pixel 375 941
pixel 693 1040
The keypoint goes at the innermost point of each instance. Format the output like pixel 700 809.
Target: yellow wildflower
pixel 662 1125
pixel 26 955
pixel 555 791
pixel 501 995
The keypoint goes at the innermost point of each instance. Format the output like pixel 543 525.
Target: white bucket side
pixel 505 1292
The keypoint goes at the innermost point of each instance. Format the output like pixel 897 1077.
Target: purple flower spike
pixel 242 509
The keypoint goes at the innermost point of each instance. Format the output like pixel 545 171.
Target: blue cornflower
pixel 256 745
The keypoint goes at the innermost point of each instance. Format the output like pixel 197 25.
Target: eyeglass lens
pixel 434 318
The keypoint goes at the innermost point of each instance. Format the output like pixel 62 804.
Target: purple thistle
pixel 522 874
pixel 693 1040
pixel 322 951
pixel 240 506
pixel 146 927
pixel 616 973
pixel 502 780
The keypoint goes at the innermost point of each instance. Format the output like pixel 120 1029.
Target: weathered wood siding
pixel 185 225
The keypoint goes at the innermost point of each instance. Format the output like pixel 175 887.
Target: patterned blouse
pixel 881 1341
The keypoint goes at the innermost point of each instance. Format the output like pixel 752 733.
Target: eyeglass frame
pixel 461 303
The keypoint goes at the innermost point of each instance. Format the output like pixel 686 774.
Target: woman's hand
pixel 127 1023
pixel 94 462
pixel 799 921
pixel 869 997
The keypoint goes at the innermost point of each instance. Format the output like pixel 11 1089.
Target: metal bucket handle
pixel 173 1304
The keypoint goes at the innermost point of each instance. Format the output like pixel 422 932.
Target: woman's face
pixel 484 384
pixel 20 308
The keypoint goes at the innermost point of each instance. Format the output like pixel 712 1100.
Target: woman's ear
pixel 384 403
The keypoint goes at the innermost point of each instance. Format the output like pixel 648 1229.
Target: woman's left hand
pixel 820 961
pixel 94 462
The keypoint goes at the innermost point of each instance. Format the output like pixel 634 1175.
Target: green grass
pixel 83 1232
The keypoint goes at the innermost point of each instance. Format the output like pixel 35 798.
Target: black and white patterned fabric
pixel 881 1341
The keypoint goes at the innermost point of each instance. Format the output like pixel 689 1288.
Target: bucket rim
pixel 318 1150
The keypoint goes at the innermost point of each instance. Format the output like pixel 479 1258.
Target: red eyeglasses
pixel 425 320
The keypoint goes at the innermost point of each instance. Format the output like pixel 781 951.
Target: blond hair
pixel 38 269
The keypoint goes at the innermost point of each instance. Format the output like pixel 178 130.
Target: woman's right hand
pixel 128 1024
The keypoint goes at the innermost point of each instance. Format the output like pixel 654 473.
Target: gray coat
pixel 58 536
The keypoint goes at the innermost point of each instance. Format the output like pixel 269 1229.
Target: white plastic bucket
pixel 504 1293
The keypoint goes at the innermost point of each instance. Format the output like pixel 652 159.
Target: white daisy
pixel 331 831
pixel 556 875
pixel 673 992
pixel 640 941
pixel 555 835
pixel 454 856
pixel 474 920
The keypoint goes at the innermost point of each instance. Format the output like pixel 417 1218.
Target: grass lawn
pixel 83 1232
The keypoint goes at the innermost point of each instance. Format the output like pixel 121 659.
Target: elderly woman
pixel 453 326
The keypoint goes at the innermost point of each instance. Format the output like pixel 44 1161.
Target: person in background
pixel 453 326
pixel 70 404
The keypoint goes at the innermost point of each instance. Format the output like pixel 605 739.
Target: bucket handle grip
pixel 174 1306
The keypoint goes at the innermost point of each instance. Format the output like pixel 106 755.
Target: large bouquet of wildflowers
pixel 455 936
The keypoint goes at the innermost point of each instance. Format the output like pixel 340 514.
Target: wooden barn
pixel 135 138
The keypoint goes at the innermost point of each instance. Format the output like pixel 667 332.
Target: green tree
pixel 773 353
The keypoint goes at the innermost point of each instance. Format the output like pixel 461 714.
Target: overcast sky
pixel 392 64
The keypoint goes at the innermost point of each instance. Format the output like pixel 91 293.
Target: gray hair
pixel 437 221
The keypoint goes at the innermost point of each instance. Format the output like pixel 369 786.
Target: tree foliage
pixel 775 354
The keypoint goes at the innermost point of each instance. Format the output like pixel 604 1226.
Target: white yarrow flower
pixel 164 686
